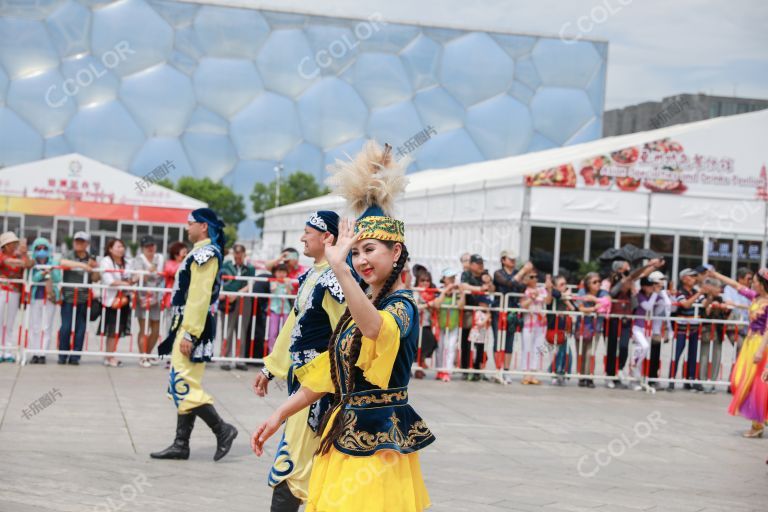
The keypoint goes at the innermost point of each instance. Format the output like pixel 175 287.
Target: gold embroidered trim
pixel 381 228
pixel 352 439
pixel 346 343
pixel 385 398
pixel 400 311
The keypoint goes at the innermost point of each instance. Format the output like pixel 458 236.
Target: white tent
pixel 704 179
pixel 59 196
pixel 78 177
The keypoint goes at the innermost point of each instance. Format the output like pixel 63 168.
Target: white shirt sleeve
pixel 107 278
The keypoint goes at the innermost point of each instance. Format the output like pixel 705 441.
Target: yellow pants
pixel 185 385
pixel 293 461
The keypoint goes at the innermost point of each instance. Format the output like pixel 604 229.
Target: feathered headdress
pixel 370 183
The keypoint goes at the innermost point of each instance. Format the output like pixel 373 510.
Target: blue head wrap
pixel 215 225
pixel 325 221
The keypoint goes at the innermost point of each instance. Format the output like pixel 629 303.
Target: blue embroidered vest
pixel 313 327
pixel 203 345
pixel 312 331
pixel 381 419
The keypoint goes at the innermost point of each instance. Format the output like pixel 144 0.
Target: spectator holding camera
pixel 688 299
pixel 622 281
pixel 508 281
pixel 474 287
pixel 290 258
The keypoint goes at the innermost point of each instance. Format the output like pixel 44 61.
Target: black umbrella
pixel 629 253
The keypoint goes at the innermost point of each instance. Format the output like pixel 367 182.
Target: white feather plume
pixel 373 176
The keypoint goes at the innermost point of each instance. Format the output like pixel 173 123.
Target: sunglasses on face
pixel 594 281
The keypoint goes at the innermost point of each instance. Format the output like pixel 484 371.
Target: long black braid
pixel 354 352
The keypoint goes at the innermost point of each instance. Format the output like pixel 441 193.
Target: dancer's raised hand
pixel 337 254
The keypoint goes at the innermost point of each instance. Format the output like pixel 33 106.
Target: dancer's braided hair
pixel 357 340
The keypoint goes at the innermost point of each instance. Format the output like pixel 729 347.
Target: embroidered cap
pixel 324 221
pixel 374 224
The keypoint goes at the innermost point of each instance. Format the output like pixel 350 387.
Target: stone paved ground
pixel 499 448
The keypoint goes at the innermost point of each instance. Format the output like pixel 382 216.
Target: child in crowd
pixel 481 334
pixel 641 329
pixel 449 302
pixel 44 297
pixel 279 307
pixel 534 326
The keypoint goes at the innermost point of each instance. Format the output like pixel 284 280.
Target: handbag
pixel 556 335
pixel 96 307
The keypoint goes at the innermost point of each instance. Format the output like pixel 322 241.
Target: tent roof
pixel 516 167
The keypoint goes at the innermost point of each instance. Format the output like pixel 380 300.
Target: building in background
pixel 231 93
pixel 695 193
pixel 683 108
pixel 57 197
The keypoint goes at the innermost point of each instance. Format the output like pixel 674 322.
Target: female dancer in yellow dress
pixel 367 460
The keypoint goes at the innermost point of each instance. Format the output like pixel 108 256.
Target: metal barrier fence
pixel 125 329
pixel 530 342
pixel 679 350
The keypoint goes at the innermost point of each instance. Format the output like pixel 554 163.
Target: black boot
pixel 225 433
pixel 283 499
pixel 180 447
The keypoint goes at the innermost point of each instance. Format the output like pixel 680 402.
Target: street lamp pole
pixel 278 171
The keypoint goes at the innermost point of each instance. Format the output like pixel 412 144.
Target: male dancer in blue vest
pixel 318 307
pixel 190 341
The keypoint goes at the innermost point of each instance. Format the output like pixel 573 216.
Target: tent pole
pixel 524 243
pixel 648 222
pixel 765 233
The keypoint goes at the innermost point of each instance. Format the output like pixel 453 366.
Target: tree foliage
pixel 298 186
pixel 220 198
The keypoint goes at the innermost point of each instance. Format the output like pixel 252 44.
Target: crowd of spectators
pixel 471 319
pixel 518 309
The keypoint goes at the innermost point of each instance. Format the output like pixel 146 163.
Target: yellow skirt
pixel 386 481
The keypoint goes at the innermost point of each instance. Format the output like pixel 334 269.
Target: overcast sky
pixel 657 48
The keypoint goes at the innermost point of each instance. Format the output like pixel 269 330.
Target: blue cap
pixel 325 221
